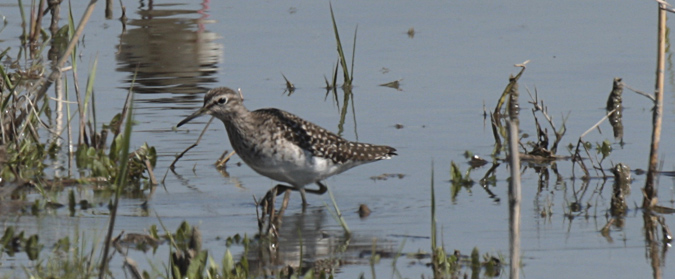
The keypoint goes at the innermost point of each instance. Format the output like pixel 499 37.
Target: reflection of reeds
pixel 514 198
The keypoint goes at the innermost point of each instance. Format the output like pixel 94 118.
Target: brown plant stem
pixel 650 192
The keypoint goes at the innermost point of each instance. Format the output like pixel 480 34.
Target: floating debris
pixel 364 211
pixel 476 161
pixel 411 32
pixel 394 84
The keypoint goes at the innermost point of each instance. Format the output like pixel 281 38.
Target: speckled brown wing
pixel 323 143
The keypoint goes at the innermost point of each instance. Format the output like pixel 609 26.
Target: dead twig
pixel 539 106
pixel 577 157
pixel 639 92
pixel 199 139
pixel 224 159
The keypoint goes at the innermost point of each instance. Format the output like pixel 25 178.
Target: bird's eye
pixel 222 100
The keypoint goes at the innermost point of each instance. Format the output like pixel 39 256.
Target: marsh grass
pixel 120 183
pixel 337 214
pixel 25 151
pixel 68 258
pixel 347 77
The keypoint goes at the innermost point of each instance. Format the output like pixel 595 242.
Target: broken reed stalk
pixel 496 116
pixel 507 90
pixel 650 192
pixel 514 182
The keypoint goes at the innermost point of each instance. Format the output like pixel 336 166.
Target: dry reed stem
pixel 36 22
pixel 56 72
pixel 151 173
pixel 639 92
pixel 224 158
pixel 650 199
pixel 199 139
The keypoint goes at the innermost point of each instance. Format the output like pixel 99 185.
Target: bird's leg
pixel 322 189
pixel 280 189
pixel 304 200
pixel 277 190
pixel 269 198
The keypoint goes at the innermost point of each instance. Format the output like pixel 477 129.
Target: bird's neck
pixel 238 123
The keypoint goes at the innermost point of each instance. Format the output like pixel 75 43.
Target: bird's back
pixel 321 142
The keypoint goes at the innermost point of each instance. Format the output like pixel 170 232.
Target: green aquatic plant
pixel 348 78
pixel 67 259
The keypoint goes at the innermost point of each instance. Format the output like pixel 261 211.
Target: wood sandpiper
pixel 284 147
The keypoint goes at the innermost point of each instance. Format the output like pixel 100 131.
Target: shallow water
pixel 458 60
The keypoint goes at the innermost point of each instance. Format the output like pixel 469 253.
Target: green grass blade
pixel 89 93
pixel 341 54
pixel 23 21
pixel 71 33
pixel 351 78
pixel 433 210
pixel 337 214
pixel 120 181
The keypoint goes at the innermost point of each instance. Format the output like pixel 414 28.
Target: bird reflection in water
pixel 305 241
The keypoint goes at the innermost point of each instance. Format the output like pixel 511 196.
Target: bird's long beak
pixel 196 114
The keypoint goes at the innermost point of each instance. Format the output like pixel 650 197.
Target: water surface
pixel 458 60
